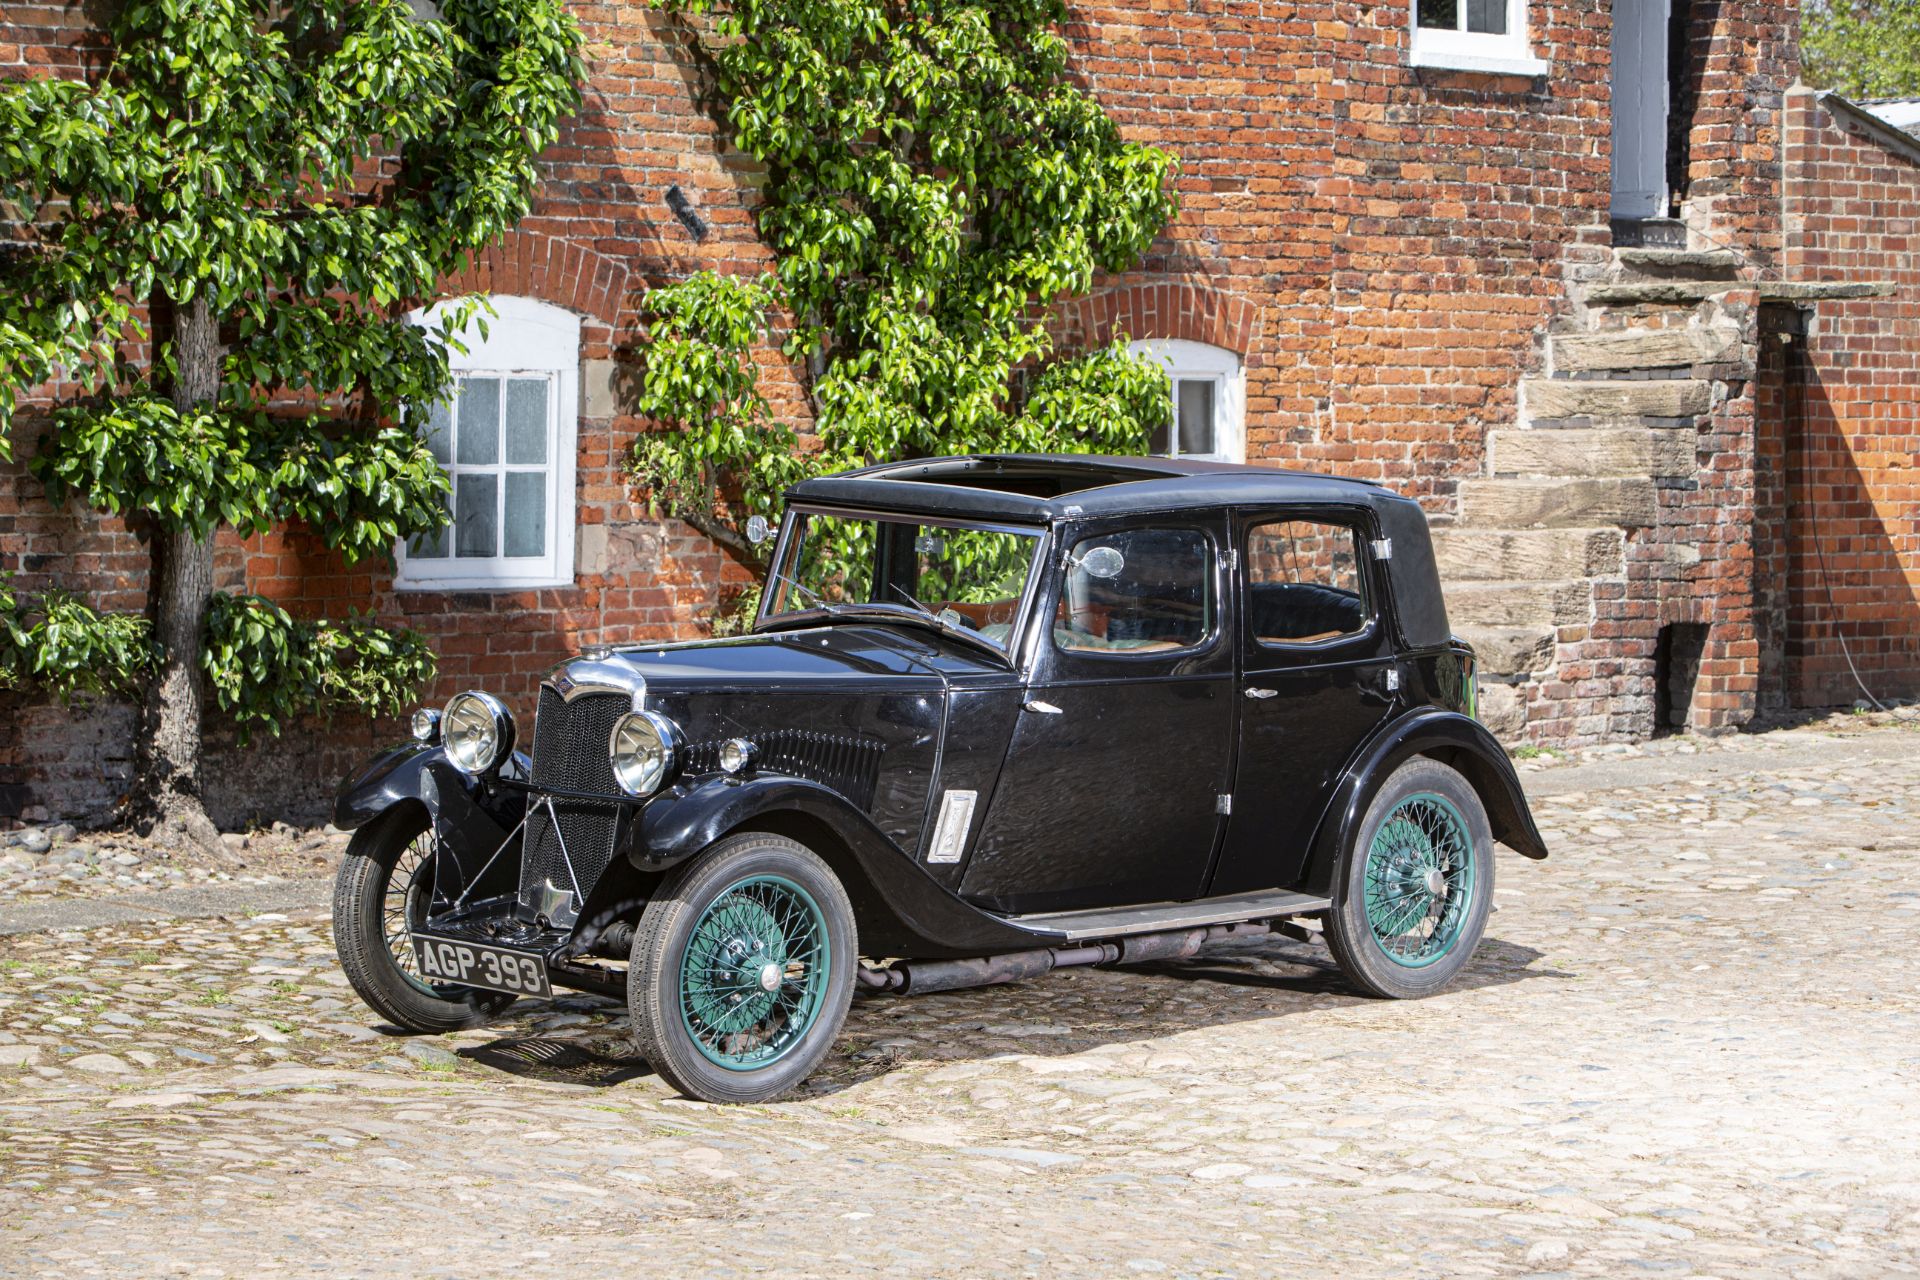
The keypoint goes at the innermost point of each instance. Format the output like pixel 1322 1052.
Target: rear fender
pixel 1455 740
pixel 680 824
pixel 469 814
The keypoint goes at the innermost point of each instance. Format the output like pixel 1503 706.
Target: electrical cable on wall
pixel 1797 382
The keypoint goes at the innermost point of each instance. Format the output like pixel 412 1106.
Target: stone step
pixel 1626 502
pixel 1618 349
pixel 1546 398
pixel 1593 451
pixel 1519 604
pixel 1481 555
pixel 1510 651
pixel 1666 263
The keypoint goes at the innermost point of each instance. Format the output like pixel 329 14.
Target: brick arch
pixel 533 264
pixel 1189 309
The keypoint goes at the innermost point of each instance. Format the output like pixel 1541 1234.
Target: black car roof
pixel 1041 488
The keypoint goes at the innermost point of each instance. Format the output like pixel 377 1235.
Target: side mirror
pixel 1104 563
pixel 759 530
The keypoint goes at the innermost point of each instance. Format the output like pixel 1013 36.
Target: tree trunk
pixel 166 798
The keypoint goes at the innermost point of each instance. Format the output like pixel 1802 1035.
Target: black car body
pixel 1049 774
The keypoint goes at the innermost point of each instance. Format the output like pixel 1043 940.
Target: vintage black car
pixel 996 715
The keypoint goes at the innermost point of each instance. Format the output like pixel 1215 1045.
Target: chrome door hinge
pixel 1393 678
pixel 1383 548
pixel 1230 560
pixel 1223 804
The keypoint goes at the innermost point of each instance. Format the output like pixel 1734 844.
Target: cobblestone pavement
pixel 1689 1047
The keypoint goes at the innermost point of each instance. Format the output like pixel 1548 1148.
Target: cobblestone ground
pixel 1689 1047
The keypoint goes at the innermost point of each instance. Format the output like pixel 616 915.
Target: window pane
pixel 439 434
pixel 526 424
pixel 1487 16
pixel 430 546
pixel 1196 416
pixel 1159 440
pixel 1444 14
pixel 1303 581
pixel 475 500
pixel 1160 598
pixel 526 513
pixel 479 436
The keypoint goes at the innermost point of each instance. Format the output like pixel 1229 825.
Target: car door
pixel 1111 790
pixel 1316 664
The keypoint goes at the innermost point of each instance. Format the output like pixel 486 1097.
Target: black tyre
pixel 1416 885
pixel 742 970
pixel 383 889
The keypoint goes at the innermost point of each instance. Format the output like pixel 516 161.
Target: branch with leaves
pixel 274 182
pixel 935 180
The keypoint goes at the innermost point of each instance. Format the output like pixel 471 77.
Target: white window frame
pixel 1187 361
pixel 1462 50
pixel 529 338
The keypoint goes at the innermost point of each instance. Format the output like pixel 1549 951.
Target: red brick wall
pixel 1846 420
pixel 1383 246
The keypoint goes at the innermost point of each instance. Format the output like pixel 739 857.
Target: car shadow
pixel 1068 1011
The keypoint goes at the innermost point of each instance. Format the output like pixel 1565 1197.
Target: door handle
pixel 1261 695
pixel 1044 708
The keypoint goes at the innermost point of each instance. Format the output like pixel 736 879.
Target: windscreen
pixel 962 577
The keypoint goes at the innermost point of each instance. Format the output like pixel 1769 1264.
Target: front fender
pixel 467 812
pixel 1456 740
pixel 675 826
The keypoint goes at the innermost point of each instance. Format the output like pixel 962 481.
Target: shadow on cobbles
pixel 1066 1012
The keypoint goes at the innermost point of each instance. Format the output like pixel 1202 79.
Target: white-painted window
pixel 506 437
pixel 1474 35
pixel 1209 410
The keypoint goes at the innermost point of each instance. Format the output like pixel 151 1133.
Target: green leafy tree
pixel 269 183
pixel 1862 48
pixel 934 179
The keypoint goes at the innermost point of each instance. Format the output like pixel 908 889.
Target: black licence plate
pixel 474 964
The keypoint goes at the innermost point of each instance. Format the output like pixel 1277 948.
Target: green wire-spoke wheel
pixel 380 897
pixel 1419 880
pixel 742 969
pixel 754 976
pixel 1415 885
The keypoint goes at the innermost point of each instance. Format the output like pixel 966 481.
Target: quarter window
pixel 505 437
pixel 1304 582
pixel 1474 35
pixel 1206 417
pixel 1137 591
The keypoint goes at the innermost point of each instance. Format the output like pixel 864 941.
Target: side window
pixel 1137 591
pixel 1304 581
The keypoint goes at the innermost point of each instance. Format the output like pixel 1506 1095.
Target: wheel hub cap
pixel 770 976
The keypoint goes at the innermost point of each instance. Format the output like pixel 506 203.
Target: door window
pixel 1304 582
pixel 1137 591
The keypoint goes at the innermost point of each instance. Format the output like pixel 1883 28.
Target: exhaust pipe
pixel 918 977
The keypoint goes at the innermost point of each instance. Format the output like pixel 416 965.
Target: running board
pixel 1159 917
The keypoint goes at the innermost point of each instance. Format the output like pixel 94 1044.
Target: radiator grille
pixel 848 764
pixel 570 752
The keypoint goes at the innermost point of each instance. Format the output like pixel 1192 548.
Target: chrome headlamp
pixel 426 725
pixel 644 751
pixel 476 731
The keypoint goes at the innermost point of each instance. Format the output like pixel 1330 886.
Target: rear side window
pixel 1304 582
pixel 1137 591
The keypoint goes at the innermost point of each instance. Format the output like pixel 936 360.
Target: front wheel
pixel 382 894
pixel 742 970
pixel 1415 886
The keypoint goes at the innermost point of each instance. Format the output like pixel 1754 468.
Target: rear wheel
pixel 1415 886
pixel 382 893
pixel 742 970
